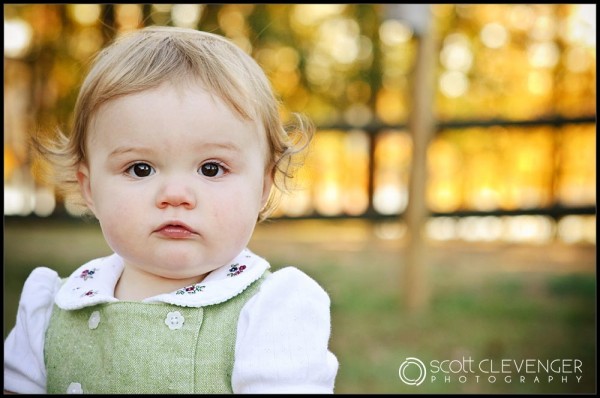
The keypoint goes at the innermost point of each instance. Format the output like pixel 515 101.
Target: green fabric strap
pixel 133 351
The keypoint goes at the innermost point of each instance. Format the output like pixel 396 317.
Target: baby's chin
pixel 180 258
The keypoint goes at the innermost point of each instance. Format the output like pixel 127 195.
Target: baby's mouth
pixel 175 230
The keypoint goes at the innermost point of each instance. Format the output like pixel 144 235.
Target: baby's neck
pixel 134 285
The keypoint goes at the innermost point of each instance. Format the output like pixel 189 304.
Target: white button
pixel 174 320
pixel 94 320
pixel 74 388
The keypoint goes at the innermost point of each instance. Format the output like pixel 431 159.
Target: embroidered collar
pixel 94 283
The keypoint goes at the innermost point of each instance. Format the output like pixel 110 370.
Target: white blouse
pixel 298 327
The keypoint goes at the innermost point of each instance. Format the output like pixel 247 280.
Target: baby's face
pixel 176 179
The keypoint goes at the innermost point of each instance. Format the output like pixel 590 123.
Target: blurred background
pixel 448 201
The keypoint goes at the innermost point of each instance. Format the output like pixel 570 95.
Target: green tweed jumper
pixel 133 351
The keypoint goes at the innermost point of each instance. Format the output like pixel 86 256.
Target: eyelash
pixel 221 169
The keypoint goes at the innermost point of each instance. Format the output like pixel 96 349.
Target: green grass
pixel 373 334
pixel 477 309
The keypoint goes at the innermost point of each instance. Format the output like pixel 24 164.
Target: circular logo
pixel 411 362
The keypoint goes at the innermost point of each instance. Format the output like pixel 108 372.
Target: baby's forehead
pixel 184 92
pixel 168 107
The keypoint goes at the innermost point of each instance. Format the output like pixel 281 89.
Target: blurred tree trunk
pixel 417 287
pixel 108 22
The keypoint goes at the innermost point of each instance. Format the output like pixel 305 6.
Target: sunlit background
pixel 513 157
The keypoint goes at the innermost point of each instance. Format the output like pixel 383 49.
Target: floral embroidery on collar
pixel 193 289
pixel 88 274
pixel 89 293
pixel 94 282
pixel 235 270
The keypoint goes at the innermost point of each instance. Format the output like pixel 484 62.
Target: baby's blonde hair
pixel 148 57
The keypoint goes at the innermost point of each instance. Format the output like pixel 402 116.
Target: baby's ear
pixel 267 185
pixel 83 178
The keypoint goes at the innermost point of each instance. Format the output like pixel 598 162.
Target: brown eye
pixel 140 170
pixel 209 169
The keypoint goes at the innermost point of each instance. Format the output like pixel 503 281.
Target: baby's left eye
pixel 211 169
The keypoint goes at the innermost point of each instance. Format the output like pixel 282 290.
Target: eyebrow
pixel 227 145
pixel 127 149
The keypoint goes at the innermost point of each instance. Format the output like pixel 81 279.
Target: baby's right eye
pixel 140 170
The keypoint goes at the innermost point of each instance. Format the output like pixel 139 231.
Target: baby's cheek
pixel 236 218
pixel 118 228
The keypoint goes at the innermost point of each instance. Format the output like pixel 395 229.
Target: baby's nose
pixel 176 192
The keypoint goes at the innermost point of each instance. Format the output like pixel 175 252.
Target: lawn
pixel 492 304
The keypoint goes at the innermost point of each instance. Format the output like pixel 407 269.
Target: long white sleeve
pixel 24 369
pixel 282 338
